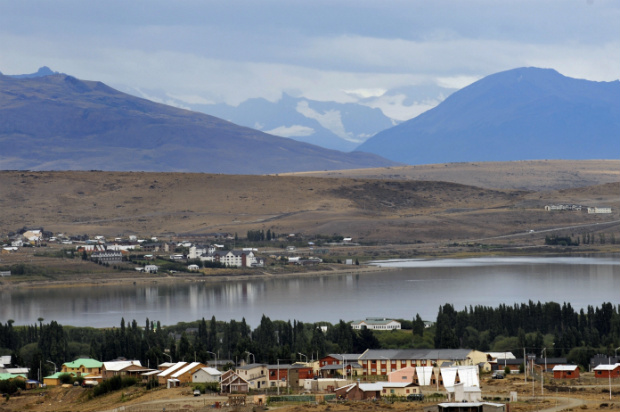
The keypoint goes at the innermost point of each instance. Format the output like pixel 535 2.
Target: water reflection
pixel 418 287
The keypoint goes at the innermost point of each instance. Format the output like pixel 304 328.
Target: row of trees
pixel 558 329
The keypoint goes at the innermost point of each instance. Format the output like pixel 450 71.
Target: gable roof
pixel 119 365
pixel 172 369
pixel 85 362
pixel 561 368
pixel 186 369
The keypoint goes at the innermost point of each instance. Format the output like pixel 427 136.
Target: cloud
pixel 211 52
pixel 291 131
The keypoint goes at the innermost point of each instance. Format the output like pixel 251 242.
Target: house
pixel 108 256
pixel 298 373
pixel 54 380
pixel 178 373
pixel 398 388
pixel 597 210
pixel 376 324
pixel 206 374
pixel 256 375
pixel 359 391
pixel 607 371
pixel 279 375
pixel 193 268
pixel 382 361
pixel 167 369
pixel 151 268
pixel 565 372
pixel 232 258
pixel 185 374
pixel 131 368
pixel 340 364
pixel 82 367
pixel 233 383
pixel 461 393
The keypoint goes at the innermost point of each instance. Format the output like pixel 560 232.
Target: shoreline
pixel 363 268
pixel 193 278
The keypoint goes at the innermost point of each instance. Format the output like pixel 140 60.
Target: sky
pixel 202 52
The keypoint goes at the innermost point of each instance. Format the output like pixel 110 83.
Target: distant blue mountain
pixel 331 125
pixel 525 113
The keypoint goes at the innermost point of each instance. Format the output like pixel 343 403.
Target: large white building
pixel 376 324
pixel 236 258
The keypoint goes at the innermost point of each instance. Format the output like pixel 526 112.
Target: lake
pixel 416 286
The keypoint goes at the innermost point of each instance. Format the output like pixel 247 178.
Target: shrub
pixel 115 383
pixel 65 378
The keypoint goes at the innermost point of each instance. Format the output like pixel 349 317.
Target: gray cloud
pixel 222 51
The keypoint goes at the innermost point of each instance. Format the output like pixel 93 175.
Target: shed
pixel 565 372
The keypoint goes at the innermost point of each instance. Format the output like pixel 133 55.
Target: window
pixel 382 362
pixel 404 378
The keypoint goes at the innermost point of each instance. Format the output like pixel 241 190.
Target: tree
pixel 418 325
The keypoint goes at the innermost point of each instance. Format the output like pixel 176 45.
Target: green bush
pixel 115 383
pixel 65 378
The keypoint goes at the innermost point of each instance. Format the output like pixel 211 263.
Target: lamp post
pixel 168 355
pixel 253 357
pixel 214 354
pixel 542 376
pixel 49 361
pixel 616 353
pixel 301 354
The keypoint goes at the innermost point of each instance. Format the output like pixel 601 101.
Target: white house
pixel 206 375
pixel 151 268
pixel 598 210
pixel 376 323
pixel 236 258
pixel 193 268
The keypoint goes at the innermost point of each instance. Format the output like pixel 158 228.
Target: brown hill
pixel 538 175
pixel 122 203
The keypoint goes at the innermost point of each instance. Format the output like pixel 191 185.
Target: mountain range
pixel 330 124
pixel 520 114
pixel 51 121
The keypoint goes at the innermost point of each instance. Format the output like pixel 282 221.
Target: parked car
pixel 196 392
pixel 497 375
pixel 415 397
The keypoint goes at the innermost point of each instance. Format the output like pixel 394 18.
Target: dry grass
pixel 373 206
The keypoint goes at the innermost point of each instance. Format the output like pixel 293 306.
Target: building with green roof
pixel 83 366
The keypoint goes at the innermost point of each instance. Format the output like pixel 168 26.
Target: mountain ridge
pixel 519 114
pixel 58 122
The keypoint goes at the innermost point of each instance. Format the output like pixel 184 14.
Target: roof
pixel 565 367
pixel 6 376
pixel 395 384
pixel 119 365
pixel 336 367
pixel 186 369
pixel 345 356
pixel 501 355
pixel 85 362
pixel 172 369
pixel 606 367
pixel 375 321
pixel 423 354
pixel 211 371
